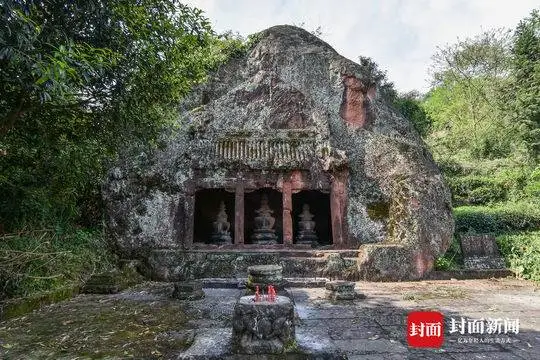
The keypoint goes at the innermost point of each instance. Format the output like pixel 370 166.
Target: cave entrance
pixel 207 204
pixel 252 203
pixel 319 206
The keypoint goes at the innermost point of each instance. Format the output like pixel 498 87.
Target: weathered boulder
pixel 290 113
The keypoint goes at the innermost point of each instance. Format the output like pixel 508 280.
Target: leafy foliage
pixel 410 106
pixel 482 134
pixel 82 80
pixel 378 77
pixel 452 259
pixel 523 96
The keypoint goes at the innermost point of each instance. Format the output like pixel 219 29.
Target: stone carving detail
pixel 261 152
pixel 262 149
pixel 264 121
pixel 263 327
pixel 264 232
pixel 221 232
pixel 306 228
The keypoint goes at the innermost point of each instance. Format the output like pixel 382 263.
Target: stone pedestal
pixel 264 275
pixel 262 327
pixel 340 290
pixel 188 290
pixel 264 237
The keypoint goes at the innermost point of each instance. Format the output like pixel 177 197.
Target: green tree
pixel 410 105
pixel 523 96
pixel 465 100
pixel 81 80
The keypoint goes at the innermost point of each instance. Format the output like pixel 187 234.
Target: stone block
pixel 263 327
pixel 188 290
pixel 115 280
pixel 264 275
pixel 340 290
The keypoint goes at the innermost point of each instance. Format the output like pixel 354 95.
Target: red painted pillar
pixel 287 213
pixel 239 215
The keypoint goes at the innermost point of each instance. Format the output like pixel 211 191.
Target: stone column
pixel 338 202
pixel 287 213
pixel 190 220
pixel 239 214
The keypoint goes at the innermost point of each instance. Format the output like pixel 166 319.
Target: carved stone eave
pixel 280 150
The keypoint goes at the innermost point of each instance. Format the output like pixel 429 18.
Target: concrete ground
pixel 145 323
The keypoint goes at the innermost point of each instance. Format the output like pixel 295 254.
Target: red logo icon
pixel 425 329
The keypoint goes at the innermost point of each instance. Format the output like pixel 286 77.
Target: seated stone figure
pixel 306 227
pixel 263 233
pixel 221 233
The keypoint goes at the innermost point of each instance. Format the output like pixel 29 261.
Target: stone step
pixel 281 251
pixel 181 265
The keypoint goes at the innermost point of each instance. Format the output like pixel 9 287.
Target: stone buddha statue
pixel 306 228
pixel 263 232
pixel 221 226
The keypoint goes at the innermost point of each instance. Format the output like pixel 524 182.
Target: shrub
pixel 47 260
pixel 476 190
pixel 452 259
pixel 498 219
pixel 522 253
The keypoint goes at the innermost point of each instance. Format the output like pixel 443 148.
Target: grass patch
pixel 99 327
pixel 437 293
pixel 35 262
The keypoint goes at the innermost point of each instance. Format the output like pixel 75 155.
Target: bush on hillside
pixel 522 253
pixel 47 260
pixel 497 219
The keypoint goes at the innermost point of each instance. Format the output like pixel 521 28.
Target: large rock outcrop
pixel 316 118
